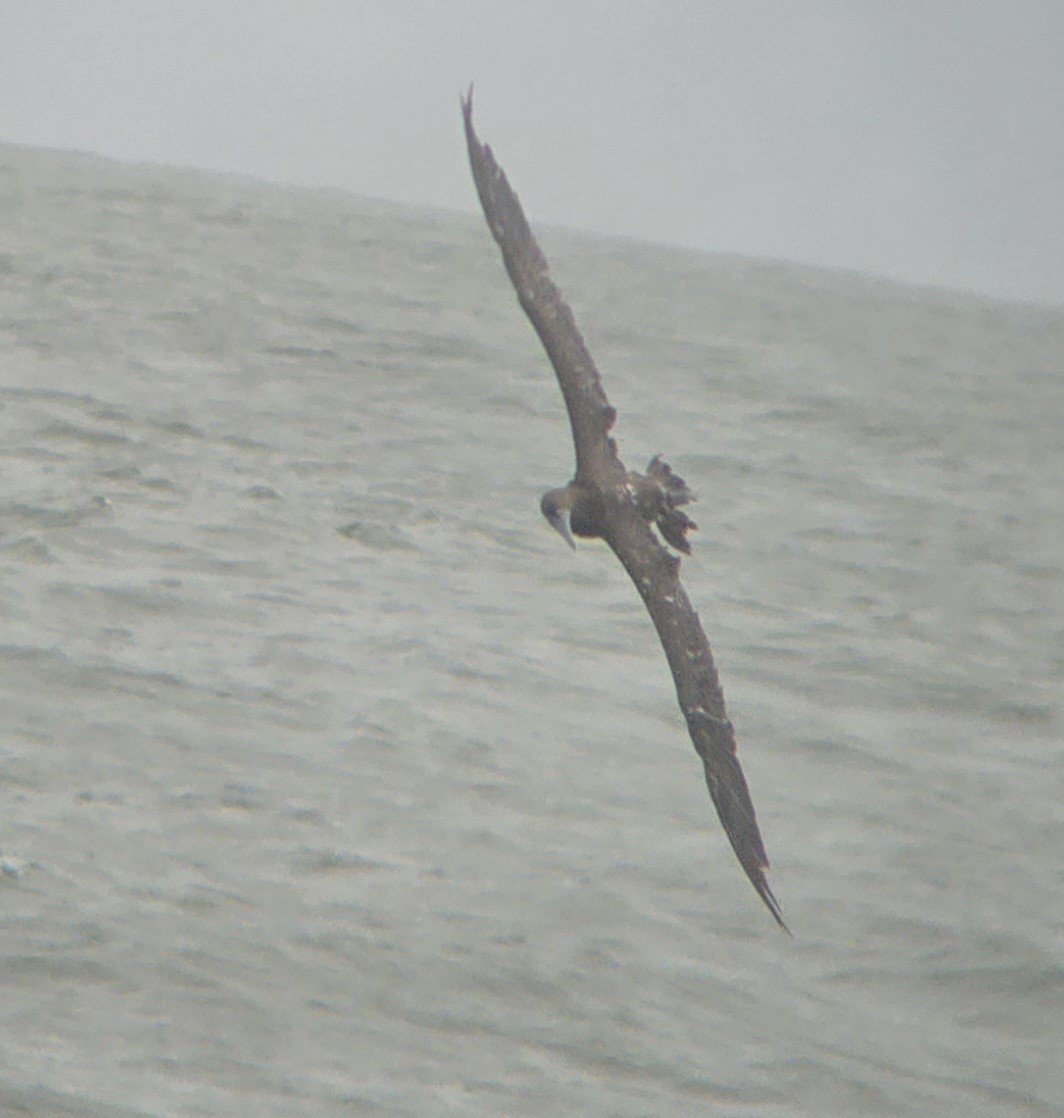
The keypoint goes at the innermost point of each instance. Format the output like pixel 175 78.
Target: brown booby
pixel 606 501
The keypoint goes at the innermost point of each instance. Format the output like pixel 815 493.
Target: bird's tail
pixel 672 522
pixel 672 485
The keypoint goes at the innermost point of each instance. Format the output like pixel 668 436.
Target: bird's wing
pixel 590 413
pixel 656 576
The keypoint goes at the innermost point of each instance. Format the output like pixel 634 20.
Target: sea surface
pixel 333 783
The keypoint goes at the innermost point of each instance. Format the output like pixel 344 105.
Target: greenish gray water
pixel 332 783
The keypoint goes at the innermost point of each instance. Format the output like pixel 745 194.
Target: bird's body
pixel 606 501
pixel 577 509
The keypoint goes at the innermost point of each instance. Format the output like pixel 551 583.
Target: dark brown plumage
pixel 605 501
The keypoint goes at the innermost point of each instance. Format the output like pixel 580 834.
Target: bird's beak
pixel 560 523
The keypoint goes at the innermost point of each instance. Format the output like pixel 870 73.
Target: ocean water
pixel 333 783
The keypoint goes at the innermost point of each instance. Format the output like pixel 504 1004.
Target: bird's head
pixel 556 506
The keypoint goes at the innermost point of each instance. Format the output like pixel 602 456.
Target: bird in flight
pixel 605 501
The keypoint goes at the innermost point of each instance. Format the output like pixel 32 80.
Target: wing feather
pixel 656 576
pixel 590 414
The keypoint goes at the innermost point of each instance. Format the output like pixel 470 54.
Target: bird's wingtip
pixel 766 894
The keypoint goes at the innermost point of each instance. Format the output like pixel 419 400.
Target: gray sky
pixel 922 139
